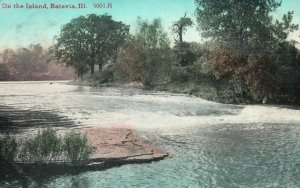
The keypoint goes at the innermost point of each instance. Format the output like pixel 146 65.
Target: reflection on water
pixel 14 120
pixel 211 145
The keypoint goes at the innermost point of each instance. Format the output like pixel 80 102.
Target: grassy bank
pixel 45 147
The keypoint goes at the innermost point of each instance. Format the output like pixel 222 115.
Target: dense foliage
pixel 132 61
pixel 150 62
pixel 244 27
pixel 247 56
pixel 44 147
pixel 8 149
pixel 87 41
pixel 251 48
pixel 76 147
pixel 31 63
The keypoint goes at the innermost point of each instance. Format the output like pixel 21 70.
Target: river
pixel 210 144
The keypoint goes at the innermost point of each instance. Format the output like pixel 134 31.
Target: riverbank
pixel 217 91
pixel 206 90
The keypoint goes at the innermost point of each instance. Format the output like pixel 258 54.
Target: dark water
pixel 210 145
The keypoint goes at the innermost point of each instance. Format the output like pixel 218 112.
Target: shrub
pixel 225 64
pixel 101 77
pixel 44 146
pixel 186 53
pixel 76 147
pixel 256 79
pixel 132 59
pixel 180 74
pixel 8 149
pixel 287 60
pixel 262 81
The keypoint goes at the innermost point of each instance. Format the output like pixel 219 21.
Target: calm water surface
pixel 211 145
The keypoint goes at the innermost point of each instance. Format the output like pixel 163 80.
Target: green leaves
pixel 152 34
pixel 8 149
pixel 243 27
pixel 132 60
pixel 47 146
pixel 156 45
pixel 89 40
pixel 44 146
pixel 76 147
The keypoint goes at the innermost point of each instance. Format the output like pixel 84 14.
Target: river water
pixel 210 144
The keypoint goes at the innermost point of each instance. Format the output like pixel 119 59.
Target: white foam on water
pixel 135 108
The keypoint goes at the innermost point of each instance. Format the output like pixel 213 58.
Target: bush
pixel 102 77
pixel 180 74
pixel 262 81
pixel 159 65
pixel 46 145
pixel 287 60
pixel 132 59
pixel 257 79
pixel 8 149
pixel 187 53
pixel 76 147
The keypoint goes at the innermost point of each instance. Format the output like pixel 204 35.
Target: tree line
pixel 31 63
pixel 246 56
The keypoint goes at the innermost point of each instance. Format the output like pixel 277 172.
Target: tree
pixel 86 41
pixel 256 80
pixel 243 26
pixel 38 57
pixel 249 44
pixel 4 72
pixel 11 60
pixel 24 64
pixel 287 62
pixel 157 46
pixel 183 51
pixel 179 27
pixel 132 61
pixel 152 34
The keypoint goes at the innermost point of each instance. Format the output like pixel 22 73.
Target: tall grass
pixel 76 147
pixel 47 146
pixel 8 149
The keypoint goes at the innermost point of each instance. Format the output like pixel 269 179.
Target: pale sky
pixel 22 27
